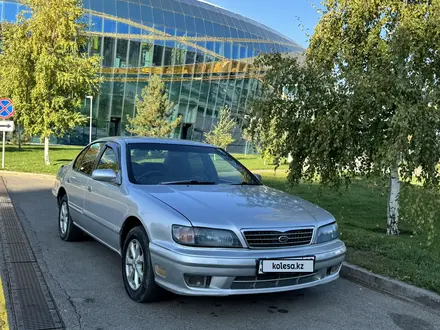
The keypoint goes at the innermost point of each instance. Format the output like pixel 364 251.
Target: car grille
pixel 264 281
pixel 271 239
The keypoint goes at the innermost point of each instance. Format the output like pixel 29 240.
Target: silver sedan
pixel 189 218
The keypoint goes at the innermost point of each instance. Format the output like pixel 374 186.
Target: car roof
pixel 141 139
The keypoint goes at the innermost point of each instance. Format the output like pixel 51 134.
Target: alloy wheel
pixel 134 264
pixel 64 218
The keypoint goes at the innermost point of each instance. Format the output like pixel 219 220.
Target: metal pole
pixel 91 113
pixel 3 150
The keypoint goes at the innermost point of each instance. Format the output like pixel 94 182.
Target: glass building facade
pixel 202 52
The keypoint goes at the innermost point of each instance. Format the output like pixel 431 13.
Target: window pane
pixel 110 7
pixel 121 53
pixel 169 18
pixel 122 28
pixel 97 5
pixel 228 50
pixel 186 9
pixel 157 55
pixel 168 56
pixel 176 6
pixel 180 21
pixel 117 106
pixel 209 28
pixel 133 57
pixel 190 57
pixel 180 56
pixel 104 106
pixel 235 52
pixel 156 3
pixel 122 8
pixel 96 24
pixel 200 26
pixel 135 12
pixel 109 26
pixel 95 46
pixel 147 14
pixel 109 161
pixel 190 23
pixel 166 4
pixel 197 12
pixel 88 161
pixel 158 16
pixel 109 52
pixel 146 54
pixel 135 30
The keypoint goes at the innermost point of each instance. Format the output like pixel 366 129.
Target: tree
pixel 221 134
pixel 16 69
pixel 153 112
pixel 366 100
pixel 58 74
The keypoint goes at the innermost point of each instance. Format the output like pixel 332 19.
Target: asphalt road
pixel 85 281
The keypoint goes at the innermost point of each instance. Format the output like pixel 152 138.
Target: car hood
pixel 226 206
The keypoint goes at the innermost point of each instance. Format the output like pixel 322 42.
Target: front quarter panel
pixel 60 177
pixel 157 217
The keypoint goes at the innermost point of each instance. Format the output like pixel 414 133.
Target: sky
pixel 285 16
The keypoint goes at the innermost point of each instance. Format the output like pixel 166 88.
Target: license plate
pixel 295 265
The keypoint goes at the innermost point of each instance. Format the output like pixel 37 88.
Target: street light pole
pixel 91 113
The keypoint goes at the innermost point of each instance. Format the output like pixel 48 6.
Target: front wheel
pixel 137 270
pixel 68 231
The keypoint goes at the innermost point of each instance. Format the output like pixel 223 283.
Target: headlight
pixel 327 233
pixel 205 237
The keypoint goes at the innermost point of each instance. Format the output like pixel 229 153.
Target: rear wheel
pixel 137 270
pixel 68 231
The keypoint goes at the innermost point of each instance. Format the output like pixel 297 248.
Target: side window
pixel 109 160
pixel 85 164
pixel 78 161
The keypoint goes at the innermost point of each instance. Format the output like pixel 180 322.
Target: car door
pixel 105 203
pixel 76 181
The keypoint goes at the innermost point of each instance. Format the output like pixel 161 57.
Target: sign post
pixel 6 111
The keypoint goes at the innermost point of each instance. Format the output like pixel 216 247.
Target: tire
pixel 145 289
pixel 68 231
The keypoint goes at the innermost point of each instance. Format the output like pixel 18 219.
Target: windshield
pixel 167 164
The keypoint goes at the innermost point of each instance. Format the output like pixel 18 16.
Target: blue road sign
pixel 6 108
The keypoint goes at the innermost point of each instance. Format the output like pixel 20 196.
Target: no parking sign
pixel 6 111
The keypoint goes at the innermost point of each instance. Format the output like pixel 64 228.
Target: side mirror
pixel 258 176
pixel 106 175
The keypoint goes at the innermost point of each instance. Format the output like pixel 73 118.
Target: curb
pixel 38 175
pixel 390 286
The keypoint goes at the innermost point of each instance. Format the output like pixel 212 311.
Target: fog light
pixel 160 271
pixel 334 269
pixel 197 281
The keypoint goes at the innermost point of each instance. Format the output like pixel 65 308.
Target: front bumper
pixel 234 271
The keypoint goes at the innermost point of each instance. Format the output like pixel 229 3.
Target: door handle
pixel 68 180
pixel 89 189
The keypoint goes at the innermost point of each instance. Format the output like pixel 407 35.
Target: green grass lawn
pixel 30 158
pixel 255 162
pixel 361 215
pixel 360 211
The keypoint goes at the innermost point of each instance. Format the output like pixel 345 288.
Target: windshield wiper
pixel 244 184
pixel 183 182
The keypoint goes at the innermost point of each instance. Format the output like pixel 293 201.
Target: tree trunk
pixel 19 137
pixel 393 202
pixel 46 151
